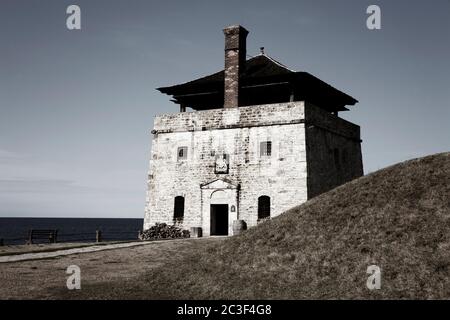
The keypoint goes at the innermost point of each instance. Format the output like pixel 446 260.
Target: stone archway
pixel 219 206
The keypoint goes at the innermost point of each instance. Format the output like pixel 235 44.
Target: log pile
pixel 163 231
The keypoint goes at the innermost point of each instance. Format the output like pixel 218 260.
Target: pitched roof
pixel 274 80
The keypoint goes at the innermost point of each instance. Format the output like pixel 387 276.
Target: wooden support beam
pixel 98 236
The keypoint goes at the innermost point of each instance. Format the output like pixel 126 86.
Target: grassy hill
pixel 397 218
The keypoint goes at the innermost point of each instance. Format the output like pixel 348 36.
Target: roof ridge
pixel 276 62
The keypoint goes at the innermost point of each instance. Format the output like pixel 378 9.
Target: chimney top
pixel 235 56
pixel 235 35
pixel 235 28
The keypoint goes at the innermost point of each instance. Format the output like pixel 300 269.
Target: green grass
pixel 397 218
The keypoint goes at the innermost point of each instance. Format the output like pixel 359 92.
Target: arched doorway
pixel 219 213
pixel 219 207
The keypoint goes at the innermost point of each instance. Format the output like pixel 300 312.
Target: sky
pixel 77 106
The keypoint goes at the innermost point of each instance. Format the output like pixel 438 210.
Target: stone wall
pixel 333 150
pixel 312 152
pixel 243 117
pixel 238 133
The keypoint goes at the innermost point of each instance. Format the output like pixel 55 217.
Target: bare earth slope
pixel 397 218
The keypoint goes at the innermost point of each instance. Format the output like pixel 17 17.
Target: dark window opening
pixel 266 149
pixel 182 153
pixel 178 211
pixel 263 207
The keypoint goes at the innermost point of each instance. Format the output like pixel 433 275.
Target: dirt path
pixel 66 252
pixel 9 250
pixel 112 273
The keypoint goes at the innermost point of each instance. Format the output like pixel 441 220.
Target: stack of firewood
pixel 163 231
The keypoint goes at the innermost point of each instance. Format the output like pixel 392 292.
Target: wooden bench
pixel 35 234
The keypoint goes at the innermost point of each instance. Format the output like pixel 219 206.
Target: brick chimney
pixel 235 56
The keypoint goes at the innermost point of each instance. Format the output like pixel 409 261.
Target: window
pixel 266 149
pixel 263 207
pixel 182 153
pixel 178 211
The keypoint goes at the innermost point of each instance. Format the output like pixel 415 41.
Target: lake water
pixel 15 230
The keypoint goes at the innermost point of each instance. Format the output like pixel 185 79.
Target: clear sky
pixel 77 107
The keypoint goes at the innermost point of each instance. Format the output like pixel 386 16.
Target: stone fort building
pixel 260 139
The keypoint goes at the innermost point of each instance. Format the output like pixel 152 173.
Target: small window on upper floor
pixel 182 153
pixel 265 149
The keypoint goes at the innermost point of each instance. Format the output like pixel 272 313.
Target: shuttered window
pixel 266 149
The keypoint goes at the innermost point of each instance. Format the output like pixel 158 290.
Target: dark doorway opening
pixel 219 219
